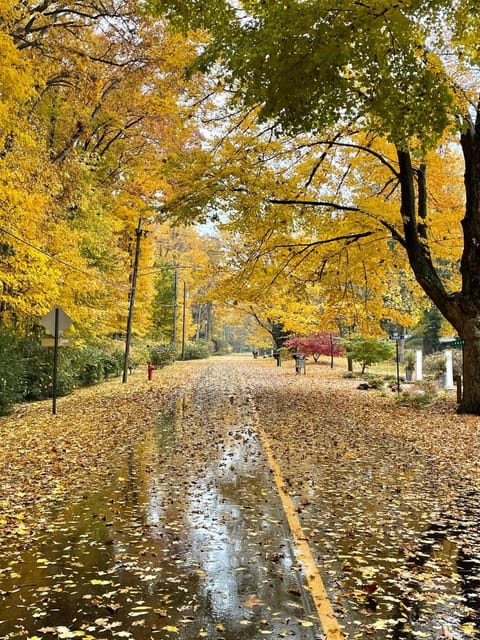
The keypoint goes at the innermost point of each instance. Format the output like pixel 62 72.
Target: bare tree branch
pixel 315 203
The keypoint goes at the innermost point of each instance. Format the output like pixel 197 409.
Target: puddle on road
pixel 167 549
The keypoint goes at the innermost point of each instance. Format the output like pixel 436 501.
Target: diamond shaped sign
pixel 48 321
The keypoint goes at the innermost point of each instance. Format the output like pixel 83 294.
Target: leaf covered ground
pixel 387 496
pixel 46 458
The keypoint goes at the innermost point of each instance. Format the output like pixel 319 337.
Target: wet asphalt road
pixel 187 540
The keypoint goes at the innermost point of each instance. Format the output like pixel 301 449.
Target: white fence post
pixel 449 370
pixel 419 365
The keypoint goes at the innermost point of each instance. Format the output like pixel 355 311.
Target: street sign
pixel 55 322
pixel 50 342
pixel 48 321
pixel 456 343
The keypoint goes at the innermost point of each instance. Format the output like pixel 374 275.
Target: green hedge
pixel 196 350
pixel 162 354
pixel 93 363
pixel 27 367
pixel 11 371
pixel 38 370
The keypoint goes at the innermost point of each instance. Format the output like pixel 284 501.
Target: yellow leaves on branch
pixel 84 130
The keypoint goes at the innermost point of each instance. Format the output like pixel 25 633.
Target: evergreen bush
pixel 38 369
pixel 113 364
pixel 26 367
pixel 92 363
pixel 11 371
pixel 196 350
pixel 88 363
pixel 162 354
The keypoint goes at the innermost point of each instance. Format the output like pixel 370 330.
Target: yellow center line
pixel 327 616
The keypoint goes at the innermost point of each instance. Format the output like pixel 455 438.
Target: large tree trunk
pixel 468 301
pixel 461 308
pixel 278 333
pixel 471 368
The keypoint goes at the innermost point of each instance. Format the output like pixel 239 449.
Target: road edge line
pixel 326 614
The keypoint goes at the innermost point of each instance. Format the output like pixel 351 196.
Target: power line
pixel 66 264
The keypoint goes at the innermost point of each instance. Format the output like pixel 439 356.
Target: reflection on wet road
pixel 187 540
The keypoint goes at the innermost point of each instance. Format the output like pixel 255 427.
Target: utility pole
pixel 208 328
pixel 133 288
pixel 175 296
pixel 55 361
pixel 184 318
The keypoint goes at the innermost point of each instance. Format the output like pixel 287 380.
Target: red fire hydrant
pixel 150 369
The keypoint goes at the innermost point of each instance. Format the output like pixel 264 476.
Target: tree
pixel 294 264
pixel 180 272
pixel 278 310
pixel 428 330
pixel 402 71
pixel 316 345
pixel 12 368
pixel 93 115
pixel 163 303
pixel 368 351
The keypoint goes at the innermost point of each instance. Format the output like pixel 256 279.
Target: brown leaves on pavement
pixel 46 458
pixel 387 495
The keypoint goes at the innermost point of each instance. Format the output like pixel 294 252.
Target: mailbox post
pixel 300 363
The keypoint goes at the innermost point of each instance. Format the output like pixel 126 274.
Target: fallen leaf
pixel 252 601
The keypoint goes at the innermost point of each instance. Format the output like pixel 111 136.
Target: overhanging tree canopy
pixel 93 114
pixel 405 70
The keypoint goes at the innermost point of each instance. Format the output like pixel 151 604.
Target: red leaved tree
pixel 316 345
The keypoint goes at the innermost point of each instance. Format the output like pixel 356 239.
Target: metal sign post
pixel 397 338
pixel 55 322
pixel 55 362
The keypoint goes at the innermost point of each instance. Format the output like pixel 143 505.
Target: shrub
pixel 316 345
pixel 37 364
pixel 27 367
pixel 11 368
pixel 375 382
pixel 38 369
pixel 435 364
pixel 78 366
pixel 420 395
pixel 162 354
pixel 139 353
pixel 415 400
pixel 92 363
pixel 89 364
pixel 113 365
pixel 368 351
pixel 196 350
